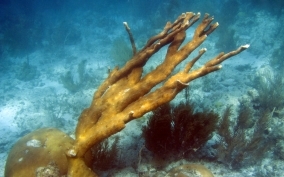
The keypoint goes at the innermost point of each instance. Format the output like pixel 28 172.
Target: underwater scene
pixel 190 88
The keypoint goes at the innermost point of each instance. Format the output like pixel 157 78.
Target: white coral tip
pixel 246 46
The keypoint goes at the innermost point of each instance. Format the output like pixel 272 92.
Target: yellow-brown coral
pixel 39 149
pixel 126 94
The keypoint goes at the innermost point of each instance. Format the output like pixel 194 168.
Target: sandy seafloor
pixel 44 102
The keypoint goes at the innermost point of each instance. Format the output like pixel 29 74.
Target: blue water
pixel 53 54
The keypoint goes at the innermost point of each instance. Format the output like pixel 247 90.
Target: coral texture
pixel 127 95
pixel 39 149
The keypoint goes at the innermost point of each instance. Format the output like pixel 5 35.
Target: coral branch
pixel 126 95
pixel 131 38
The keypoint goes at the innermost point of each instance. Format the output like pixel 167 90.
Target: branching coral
pixel 126 94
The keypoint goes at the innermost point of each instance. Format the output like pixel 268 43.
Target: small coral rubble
pixel 190 170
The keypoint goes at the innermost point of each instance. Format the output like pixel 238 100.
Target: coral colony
pixel 125 95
